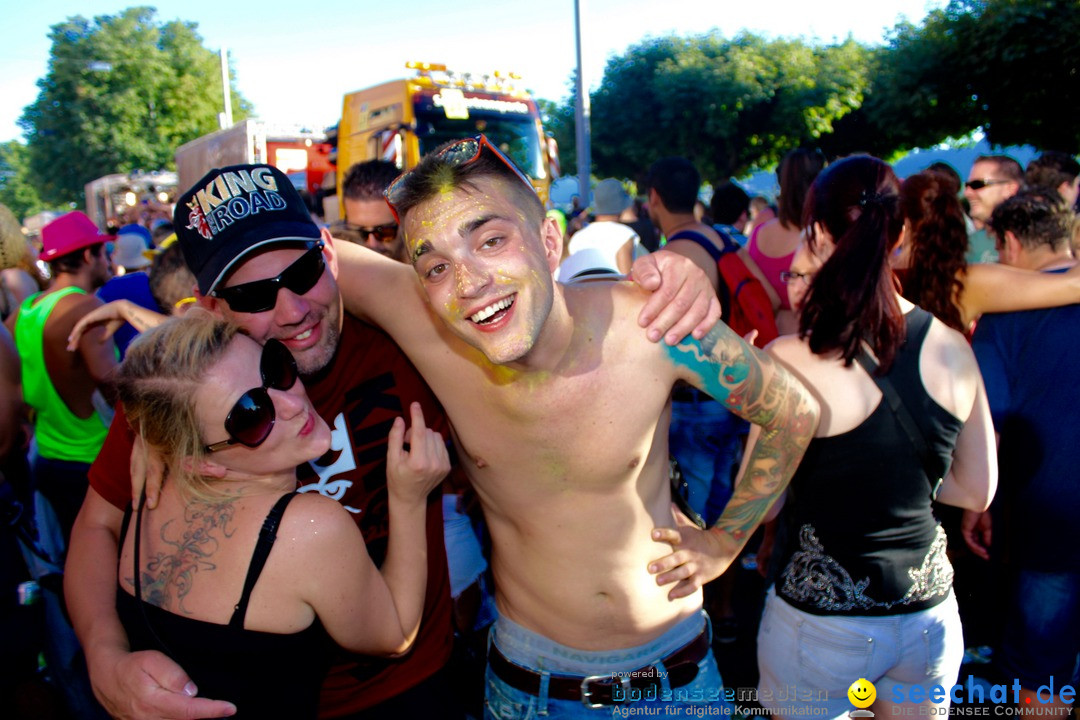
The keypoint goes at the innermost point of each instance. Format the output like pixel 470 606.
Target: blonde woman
pixel 234 575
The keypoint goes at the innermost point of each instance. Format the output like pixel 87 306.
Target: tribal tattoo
pixel 168 576
pixel 754 387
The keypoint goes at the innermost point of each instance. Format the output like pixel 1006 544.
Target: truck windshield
pixel 514 134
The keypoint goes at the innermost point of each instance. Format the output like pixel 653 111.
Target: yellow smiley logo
pixel 862 693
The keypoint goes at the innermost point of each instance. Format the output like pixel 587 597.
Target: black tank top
pixel 264 674
pixel 863 539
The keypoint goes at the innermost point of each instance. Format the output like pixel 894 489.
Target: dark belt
pixel 599 690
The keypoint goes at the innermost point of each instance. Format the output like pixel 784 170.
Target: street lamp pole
pixel 581 116
pixel 225 119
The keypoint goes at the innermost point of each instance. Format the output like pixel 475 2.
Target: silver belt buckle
pixel 586 694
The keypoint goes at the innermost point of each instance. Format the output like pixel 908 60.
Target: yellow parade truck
pixel 401 120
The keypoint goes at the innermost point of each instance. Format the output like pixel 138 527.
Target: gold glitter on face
pixel 485 271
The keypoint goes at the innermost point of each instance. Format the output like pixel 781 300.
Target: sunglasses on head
pixel 383 233
pixel 261 295
pixel 252 416
pixel 456 154
pixel 980 184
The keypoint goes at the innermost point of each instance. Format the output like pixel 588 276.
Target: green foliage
pixel 1010 67
pixel 122 91
pixel 16 191
pixel 1007 68
pixel 1024 60
pixel 727 105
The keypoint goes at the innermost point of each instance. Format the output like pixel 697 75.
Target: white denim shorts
pixel 813 659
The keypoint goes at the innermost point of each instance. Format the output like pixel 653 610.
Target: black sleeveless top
pixel 264 674
pixel 863 539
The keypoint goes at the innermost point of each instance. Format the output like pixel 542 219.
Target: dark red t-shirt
pixel 367 385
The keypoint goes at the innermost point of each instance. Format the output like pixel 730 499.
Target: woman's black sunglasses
pixel 261 295
pixel 252 417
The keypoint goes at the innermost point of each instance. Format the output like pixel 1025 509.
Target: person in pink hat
pixel 61 386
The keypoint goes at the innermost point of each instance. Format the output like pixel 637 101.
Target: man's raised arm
pixel 374 287
pixel 757 388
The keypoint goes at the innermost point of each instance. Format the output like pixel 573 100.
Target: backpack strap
pixel 693 236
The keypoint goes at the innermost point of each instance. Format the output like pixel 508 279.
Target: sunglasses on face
pixel 252 416
pixel 457 154
pixel 980 184
pixel 383 233
pixel 261 295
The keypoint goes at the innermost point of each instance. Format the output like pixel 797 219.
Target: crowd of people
pixel 268 472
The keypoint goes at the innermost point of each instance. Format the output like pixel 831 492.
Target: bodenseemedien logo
pixel 862 694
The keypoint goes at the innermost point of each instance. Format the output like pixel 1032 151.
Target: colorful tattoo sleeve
pixel 754 387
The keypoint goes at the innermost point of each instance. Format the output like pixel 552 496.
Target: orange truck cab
pixel 401 120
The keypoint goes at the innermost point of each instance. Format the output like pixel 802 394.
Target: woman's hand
pixel 414 472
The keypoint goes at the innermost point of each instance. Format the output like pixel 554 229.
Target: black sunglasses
pixel 383 233
pixel 456 154
pixel 261 295
pixel 252 417
pixel 980 184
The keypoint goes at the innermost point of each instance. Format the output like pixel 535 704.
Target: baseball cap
pixel 68 233
pixel 129 250
pixel 233 211
pixel 609 197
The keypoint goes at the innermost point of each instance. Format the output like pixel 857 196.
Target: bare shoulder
pixel 311 506
pixel 72 307
pixel 312 521
pixel 608 311
pixel 949 370
pixel 594 298
pixel 790 349
pixel 948 348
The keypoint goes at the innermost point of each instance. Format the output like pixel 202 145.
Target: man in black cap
pixel 259 261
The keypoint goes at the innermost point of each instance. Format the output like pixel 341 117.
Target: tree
pixel 559 122
pixel 1023 58
pixel 727 105
pixel 1008 67
pixel 121 93
pixel 16 190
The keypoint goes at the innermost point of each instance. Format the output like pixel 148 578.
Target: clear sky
pixel 296 60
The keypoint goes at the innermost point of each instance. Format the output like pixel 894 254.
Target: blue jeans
pixel 706 439
pixel 528 649
pixel 1042 629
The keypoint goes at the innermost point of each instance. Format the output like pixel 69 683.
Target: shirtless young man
pixel 560 411
pixel 272 272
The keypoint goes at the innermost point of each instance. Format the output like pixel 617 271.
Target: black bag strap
pixel 900 411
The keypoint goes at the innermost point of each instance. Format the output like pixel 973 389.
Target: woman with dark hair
pixel 772 245
pixel 865 587
pixel 935 276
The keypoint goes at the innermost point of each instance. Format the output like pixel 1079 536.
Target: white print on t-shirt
pixel 345 463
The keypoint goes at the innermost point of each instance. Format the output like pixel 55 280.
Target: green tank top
pixel 60 434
